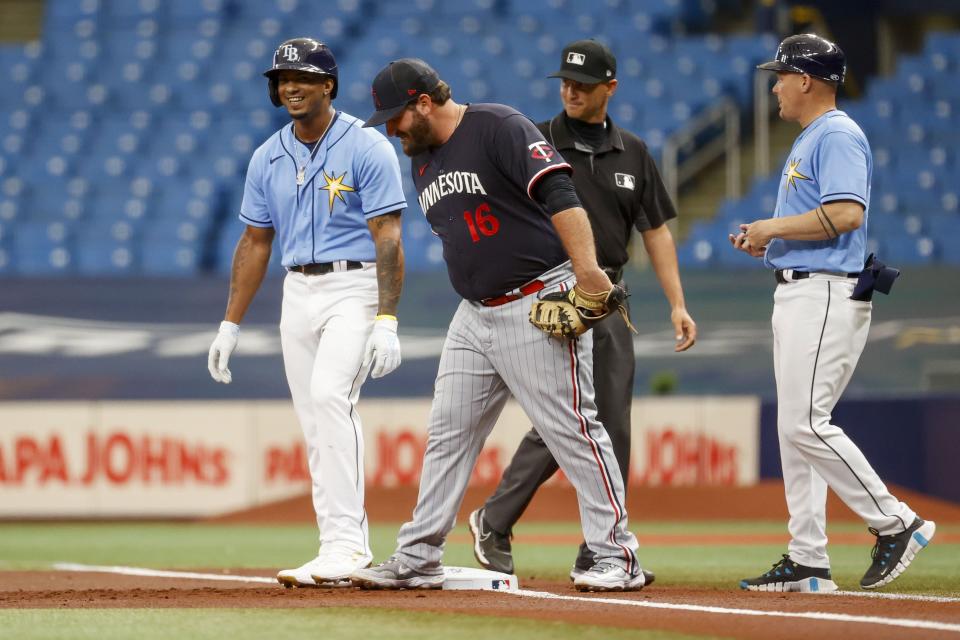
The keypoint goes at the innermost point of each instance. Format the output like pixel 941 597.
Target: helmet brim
pixel 296 66
pixel 776 65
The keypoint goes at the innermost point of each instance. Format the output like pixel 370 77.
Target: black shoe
pixel 490 548
pixel 787 575
pixel 893 554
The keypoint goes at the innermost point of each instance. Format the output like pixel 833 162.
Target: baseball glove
pixel 568 314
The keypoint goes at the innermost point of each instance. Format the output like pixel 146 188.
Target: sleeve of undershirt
pixel 555 192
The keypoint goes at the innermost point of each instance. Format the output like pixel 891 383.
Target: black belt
pixel 320 268
pixel 801 275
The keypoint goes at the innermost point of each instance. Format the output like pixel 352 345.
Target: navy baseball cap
pixel 587 61
pixel 397 85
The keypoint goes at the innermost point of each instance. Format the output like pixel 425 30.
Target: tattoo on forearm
pixel 822 215
pixel 240 256
pixel 389 274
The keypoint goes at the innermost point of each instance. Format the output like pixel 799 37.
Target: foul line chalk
pixel 156 573
pixel 887 596
pixel 830 617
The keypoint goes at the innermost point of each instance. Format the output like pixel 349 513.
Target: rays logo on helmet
pixel 576 58
pixel 540 150
pixel 290 52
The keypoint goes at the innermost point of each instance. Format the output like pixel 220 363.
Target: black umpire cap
pixel 810 54
pixel 397 85
pixel 587 61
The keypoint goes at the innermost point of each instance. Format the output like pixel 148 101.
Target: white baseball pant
pixel 324 326
pixel 818 336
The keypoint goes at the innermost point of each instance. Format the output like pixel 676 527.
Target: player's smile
pixel 301 93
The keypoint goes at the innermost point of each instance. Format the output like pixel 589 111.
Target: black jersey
pixel 618 184
pixel 476 192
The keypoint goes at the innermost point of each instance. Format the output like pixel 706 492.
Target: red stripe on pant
pixel 596 454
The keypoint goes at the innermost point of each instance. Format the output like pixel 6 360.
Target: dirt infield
pixel 711 612
pixel 762 502
pixel 91 590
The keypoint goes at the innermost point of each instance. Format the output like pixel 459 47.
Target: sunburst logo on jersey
pixel 793 175
pixel 335 188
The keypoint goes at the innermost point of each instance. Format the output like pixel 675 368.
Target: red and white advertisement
pixel 193 458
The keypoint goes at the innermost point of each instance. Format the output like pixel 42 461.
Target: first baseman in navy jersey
pixel 621 189
pixel 330 191
pixel 501 200
pixel 816 242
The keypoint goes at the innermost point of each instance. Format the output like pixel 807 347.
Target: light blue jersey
pixel 354 176
pixel 830 160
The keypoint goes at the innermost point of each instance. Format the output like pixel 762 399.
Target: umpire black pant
pixel 533 464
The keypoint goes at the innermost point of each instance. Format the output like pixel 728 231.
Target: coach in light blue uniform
pixel 331 190
pixel 830 161
pixel 816 242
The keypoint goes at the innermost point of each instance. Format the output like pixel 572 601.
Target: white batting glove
pixel 220 351
pixel 383 347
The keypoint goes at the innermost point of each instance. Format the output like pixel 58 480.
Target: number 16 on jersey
pixel 481 222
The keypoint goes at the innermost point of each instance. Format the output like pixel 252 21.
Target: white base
pixel 470 579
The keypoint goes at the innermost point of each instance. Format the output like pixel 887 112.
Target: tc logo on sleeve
pixel 626 181
pixel 576 58
pixel 540 150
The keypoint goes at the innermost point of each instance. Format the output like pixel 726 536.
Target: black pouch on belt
pixel 875 276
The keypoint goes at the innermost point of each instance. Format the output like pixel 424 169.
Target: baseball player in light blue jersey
pixel 331 192
pixel 816 242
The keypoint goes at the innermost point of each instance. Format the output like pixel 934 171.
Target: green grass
pixel 216 624
pixel 212 546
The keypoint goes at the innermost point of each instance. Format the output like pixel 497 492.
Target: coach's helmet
pixel 301 54
pixel 810 54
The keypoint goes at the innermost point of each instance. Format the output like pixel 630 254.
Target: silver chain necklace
pixel 302 168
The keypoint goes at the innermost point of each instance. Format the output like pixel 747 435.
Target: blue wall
pixel 910 442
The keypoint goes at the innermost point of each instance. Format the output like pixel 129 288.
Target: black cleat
pixel 893 554
pixel 490 548
pixel 787 575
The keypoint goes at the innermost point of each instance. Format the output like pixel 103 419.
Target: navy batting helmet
pixel 301 54
pixel 810 54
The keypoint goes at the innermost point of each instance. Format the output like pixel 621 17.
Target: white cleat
pixel 606 576
pixel 299 577
pixel 336 568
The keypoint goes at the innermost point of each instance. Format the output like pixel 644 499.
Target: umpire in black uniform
pixel 620 188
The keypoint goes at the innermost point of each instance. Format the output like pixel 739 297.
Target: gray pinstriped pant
pixel 489 354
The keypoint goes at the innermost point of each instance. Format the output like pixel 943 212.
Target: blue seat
pixel 96 255
pixel 7 264
pixel 908 250
pixel 188 12
pixel 170 258
pixel 64 13
pixel 42 248
pixel 943 50
pixel 696 253
pixel 6 256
